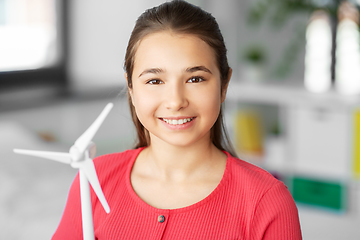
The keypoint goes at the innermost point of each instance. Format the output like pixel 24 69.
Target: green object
pixel 255 54
pixel 319 193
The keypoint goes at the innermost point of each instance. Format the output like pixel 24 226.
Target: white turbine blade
pixel 88 168
pixel 82 142
pixel 56 156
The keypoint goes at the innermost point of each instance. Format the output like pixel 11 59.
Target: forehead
pixel 167 48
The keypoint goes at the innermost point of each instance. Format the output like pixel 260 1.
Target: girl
pixel 182 180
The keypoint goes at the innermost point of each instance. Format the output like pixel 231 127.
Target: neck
pixel 178 163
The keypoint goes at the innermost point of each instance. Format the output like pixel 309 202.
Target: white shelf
pixel 283 94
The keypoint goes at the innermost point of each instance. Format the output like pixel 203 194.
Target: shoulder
pixel 248 173
pixel 269 203
pixel 252 182
pixel 270 206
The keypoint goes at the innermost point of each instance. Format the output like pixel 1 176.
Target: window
pixel 32 43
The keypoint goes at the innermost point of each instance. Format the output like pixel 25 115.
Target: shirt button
pixel 161 218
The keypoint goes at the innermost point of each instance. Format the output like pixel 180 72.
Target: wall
pixel 99 32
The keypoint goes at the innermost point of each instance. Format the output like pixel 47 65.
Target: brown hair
pixel 184 18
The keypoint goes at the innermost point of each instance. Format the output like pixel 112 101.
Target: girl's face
pixel 176 88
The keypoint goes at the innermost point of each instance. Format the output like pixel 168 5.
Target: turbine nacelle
pixel 77 155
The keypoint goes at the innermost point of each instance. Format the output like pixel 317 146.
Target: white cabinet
pixel 322 141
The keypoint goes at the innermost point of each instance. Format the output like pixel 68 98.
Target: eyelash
pixel 198 78
pixel 154 81
pixel 195 79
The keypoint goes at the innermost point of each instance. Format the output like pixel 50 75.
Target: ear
pixel 224 90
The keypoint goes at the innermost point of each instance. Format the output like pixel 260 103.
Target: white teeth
pixel 177 122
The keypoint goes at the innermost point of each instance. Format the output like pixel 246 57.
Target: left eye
pixel 196 79
pixel 154 82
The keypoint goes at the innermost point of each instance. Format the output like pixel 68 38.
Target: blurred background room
pixel 293 104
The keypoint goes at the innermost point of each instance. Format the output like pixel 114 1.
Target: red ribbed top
pixel 248 203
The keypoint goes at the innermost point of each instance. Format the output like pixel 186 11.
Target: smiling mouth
pixel 177 121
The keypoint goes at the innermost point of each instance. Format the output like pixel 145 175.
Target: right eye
pixel 154 82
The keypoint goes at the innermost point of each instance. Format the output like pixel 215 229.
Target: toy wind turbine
pixel 80 156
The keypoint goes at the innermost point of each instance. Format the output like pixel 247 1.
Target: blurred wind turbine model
pixel 81 156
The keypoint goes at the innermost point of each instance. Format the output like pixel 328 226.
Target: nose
pixel 176 97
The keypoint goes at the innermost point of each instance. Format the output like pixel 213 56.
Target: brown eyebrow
pixel 190 69
pixel 152 70
pixel 198 68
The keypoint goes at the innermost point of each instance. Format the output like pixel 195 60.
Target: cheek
pixel 209 101
pixel 213 109
pixel 144 104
